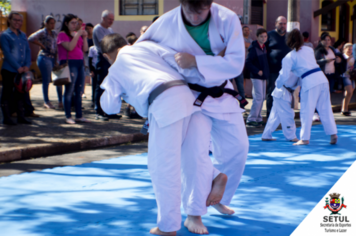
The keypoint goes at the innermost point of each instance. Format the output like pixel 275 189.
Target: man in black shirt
pixel 277 49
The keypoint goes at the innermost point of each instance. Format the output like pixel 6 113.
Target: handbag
pixel 24 81
pixel 61 74
pixel 352 74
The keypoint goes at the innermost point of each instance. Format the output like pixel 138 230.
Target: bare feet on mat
pixel 217 190
pixel 302 142
pixel 294 140
pixel 269 139
pixel 224 209
pixel 333 139
pixel 195 225
pixel 157 231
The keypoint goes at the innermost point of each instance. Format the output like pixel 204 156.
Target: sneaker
pixel 101 117
pixel 261 123
pixel 83 96
pixel 82 120
pixel 127 111
pixel 115 116
pixel 48 106
pixel 316 117
pixel 135 115
pixel 70 121
pixel 252 124
pixel 60 106
pixel 32 115
pixel 346 113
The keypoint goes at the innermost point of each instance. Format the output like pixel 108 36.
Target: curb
pixel 61 148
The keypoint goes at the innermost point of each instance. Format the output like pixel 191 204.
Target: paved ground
pixel 88 156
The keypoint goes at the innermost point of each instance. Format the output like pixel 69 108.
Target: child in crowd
pixel 282 111
pixel 93 57
pixel 257 64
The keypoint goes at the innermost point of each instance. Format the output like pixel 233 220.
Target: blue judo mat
pixel 280 186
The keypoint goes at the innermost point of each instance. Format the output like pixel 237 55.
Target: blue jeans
pixel 76 68
pixel 45 65
pixel 102 68
pixel 240 84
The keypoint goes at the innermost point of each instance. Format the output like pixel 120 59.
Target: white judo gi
pixel 282 111
pixel 314 93
pixel 223 120
pixel 137 71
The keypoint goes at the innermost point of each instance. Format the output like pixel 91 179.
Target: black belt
pixel 215 92
pixel 291 91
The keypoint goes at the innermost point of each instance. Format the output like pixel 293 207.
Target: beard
pixel 281 31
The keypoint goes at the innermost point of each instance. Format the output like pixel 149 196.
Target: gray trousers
pixel 259 95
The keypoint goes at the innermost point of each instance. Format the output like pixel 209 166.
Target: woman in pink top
pixel 71 45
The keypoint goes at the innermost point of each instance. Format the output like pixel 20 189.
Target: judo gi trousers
pixel 259 95
pixel 317 97
pixel 230 144
pixel 165 146
pixel 281 113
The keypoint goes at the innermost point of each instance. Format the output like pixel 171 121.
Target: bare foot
pixel 294 140
pixel 333 139
pixel 224 209
pixel 157 231
pixel 269 139
pixel 302 142
pixel 195 225
pixel 217 190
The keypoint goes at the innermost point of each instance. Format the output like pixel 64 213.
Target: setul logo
pixel 335 205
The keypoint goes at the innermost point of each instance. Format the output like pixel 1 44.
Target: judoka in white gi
pixel 172 118
pixel 282 111
pixel 315 87
pixel 223 120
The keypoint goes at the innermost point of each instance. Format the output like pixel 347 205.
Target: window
pixel 328 19
pixel 138 7
pixel 257 12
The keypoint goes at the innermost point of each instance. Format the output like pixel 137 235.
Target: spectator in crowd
pixel 89 29
pixel 306 40
pixel 46 38
pixel 331 62
pixel 102 65
pixel 130 111
pixel 131 39
pixel 257 64
pixel 240 83
pixel 246 73
pixel 348 83
pixel 130 34
pixel 17 59
pixel 71 47
pixel 276 50
pixel 79 25
pixel 339 45
pixel 93 57
pixel 143 29
pixel 155 18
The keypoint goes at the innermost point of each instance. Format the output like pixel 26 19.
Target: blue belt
pixel 310 72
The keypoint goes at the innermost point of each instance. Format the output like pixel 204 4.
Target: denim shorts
pixel 347 82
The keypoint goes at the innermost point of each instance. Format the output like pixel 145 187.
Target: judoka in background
pixel 314 90
pixel 282 111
